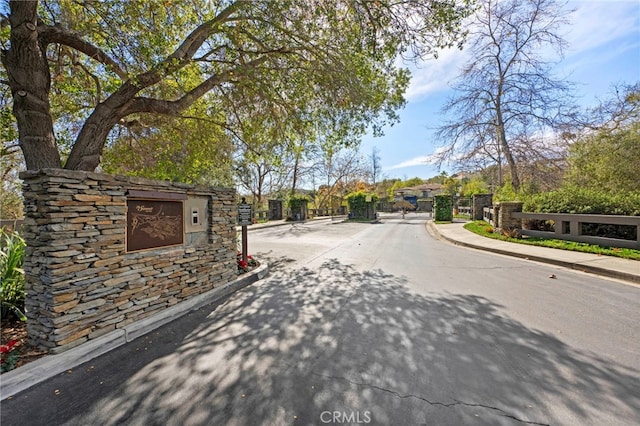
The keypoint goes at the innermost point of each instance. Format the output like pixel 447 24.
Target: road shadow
pixel 294 229
pixel 275 261
pixel 304 342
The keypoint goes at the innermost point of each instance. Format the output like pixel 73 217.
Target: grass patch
pixel 462 216
pixel 486 230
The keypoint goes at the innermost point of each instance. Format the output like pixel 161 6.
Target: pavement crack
pixel 500 411
pixel 392 392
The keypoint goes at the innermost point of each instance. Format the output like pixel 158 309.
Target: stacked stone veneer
pixel 504 218
pixel 81 281
pixel 478 203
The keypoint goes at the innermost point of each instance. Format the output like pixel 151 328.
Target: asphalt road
pixel 371 324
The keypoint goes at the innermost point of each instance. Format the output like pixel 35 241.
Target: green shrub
pixel 443 207
pixel 298 206
pixel 482 228
pixel 12 293
pixel 296 202
pixel 577 200
pixel 359 206
pixel 505 193
pixel 474 186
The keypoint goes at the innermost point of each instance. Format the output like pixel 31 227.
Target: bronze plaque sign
pixel 154 223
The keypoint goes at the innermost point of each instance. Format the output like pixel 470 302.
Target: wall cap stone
pixel 196 189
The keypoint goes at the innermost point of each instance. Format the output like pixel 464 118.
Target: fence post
pixel 479 202
pixel 505 220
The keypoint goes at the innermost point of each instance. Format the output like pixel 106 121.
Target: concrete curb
pixel 610 273
pixel 46 367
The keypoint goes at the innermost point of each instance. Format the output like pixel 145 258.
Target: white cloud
pixel 594 24
pixel 434 75
pixel 417 161
pixel 597 23
pixel 423 160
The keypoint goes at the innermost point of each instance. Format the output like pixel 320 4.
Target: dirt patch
pixel 15 330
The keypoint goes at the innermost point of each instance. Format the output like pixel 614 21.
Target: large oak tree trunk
pixel 30 83
pixel 88 147
pixel 87 150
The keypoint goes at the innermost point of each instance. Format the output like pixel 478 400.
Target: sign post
pixel 245 216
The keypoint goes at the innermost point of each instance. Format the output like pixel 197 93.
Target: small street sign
pixel 245 216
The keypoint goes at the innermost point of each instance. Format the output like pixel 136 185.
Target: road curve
pixel 372 324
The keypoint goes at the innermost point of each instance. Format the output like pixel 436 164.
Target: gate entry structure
pixel 275 209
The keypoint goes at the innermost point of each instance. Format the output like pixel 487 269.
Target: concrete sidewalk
pixel 613 267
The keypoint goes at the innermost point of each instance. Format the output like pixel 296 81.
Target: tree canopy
pixel 606 157
pixel 82 74
pixel 507 98
pixel 192 149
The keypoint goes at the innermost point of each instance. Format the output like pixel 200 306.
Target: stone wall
pixel 478 203
pixel 81 281
pixel 504 218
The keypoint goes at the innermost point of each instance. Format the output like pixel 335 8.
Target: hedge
pixel 358 204
pixel 443 207
pixel 296 202
pixel 576 200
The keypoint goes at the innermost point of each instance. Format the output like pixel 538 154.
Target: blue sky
pixel 604 49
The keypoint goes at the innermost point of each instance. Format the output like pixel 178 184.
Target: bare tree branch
pixel 506 92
